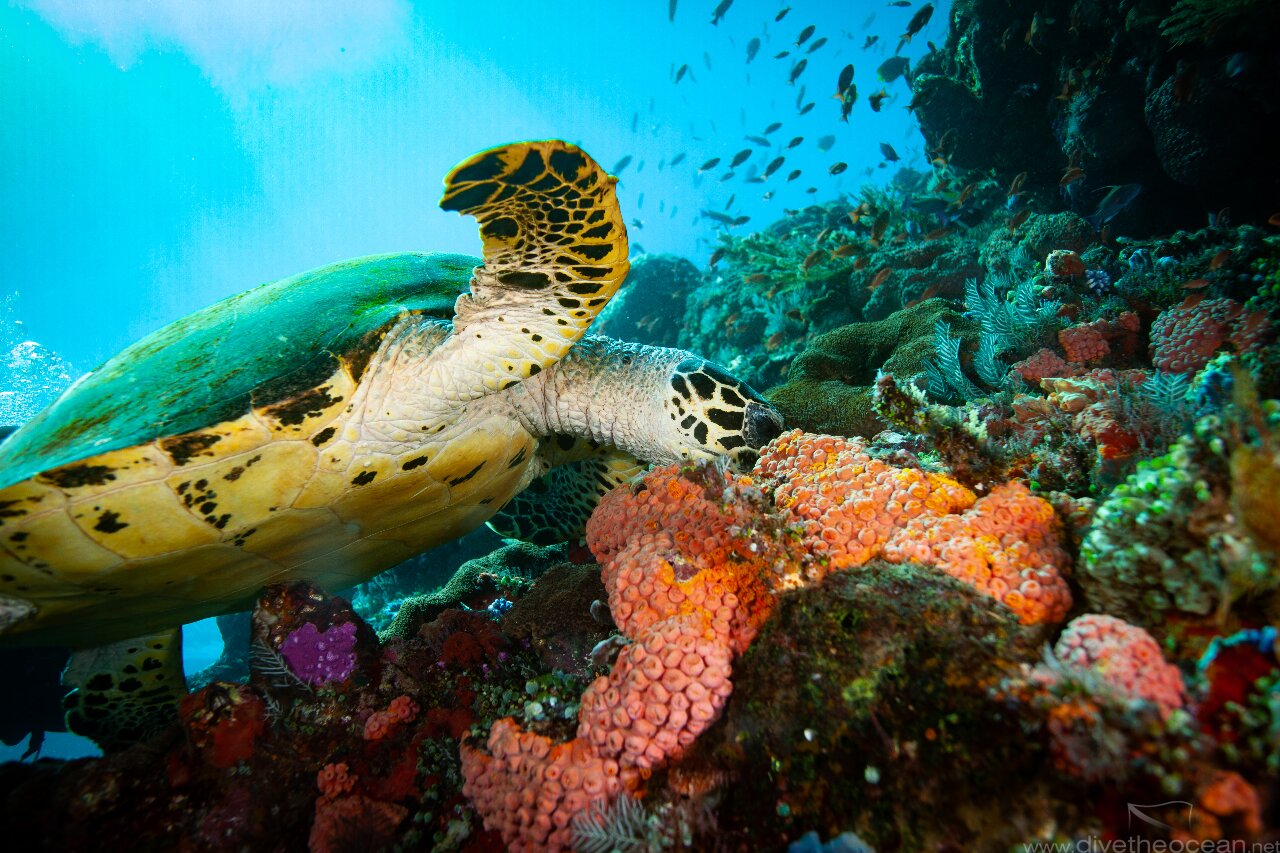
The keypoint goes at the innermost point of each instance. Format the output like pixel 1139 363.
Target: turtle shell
pixel 250 350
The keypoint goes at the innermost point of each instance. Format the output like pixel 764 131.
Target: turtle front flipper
pixel 555 507
pixel 555 252
pixel 125 692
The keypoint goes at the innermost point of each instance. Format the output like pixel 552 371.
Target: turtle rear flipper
pixel 125 692
pixel 555 507
pixel 555 252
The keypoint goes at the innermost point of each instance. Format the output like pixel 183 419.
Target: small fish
pixel 795 314
pixel 825 143
pixel 774 341
pixel 635 122
pixel 1016 186
pixel 774 165
pixel 878 227
pixel 800 97
pixel 837 168
pixel 1018 218
pixel 718 14
pixel 1195 284
pixel 621 164
pixel 870 41
pixel 889 154
pixel 846 79
pixel 797 70
pixel 783 55
pixel 671 11
pixel 741 220
pixel 710 164
pixel 795 173
pixel 877 100
pixel 782 14
pixel 822 235
pixel 678 159
pixel 862 263
pixel 879 279
pixel 846 250
pixel 936 234
pixel 727 176
pixel 918 22
pixel 893 68
pixel 795 141
pixel 1072 175
pixel 740 158
pixel 636 223
pixel 771 128
pixel 758 140
pixel 901 4
pixel 684 69
pixel 706 60
pixel 717 216
pixel 819 42
pixel 811 190
pixel 813 258
pixel 805 109
pixel 728 204
pixel 640 200
pixel 1115 201
pixel 716 256
pixel 804 34
pixel 964 195
pixel 1274 219
pixel 768 196
pixel 1220 259
pixel 753 47
pixel 758 278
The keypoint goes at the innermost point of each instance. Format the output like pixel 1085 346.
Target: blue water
pixel 161 158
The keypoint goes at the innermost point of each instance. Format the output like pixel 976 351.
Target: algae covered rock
pixel 650 306
pixel 865 705
pixel 829 386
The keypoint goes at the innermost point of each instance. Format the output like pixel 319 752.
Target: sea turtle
pixel 327 426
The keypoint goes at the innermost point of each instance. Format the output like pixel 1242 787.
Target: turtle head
pixel 716 414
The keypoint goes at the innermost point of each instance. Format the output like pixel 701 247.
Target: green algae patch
pixel 830 383
pixel 866 704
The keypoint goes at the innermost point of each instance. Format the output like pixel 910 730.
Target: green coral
pixel 1165 543
pixel 829 387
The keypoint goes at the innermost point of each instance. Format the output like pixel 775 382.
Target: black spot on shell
pixel 678 383
pixel 364 478
pixel 457 481
pixel 417 462
pixel 183 448
pixel 700 433
pixel 109 522
pixel 731 397
pixel 599 231
pixel 75 476
pixel 323 435
pixel 595 252
pixel 101 681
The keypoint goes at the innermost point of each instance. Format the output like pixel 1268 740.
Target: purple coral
pixel 318 658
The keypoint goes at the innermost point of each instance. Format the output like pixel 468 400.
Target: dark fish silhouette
pixel 741 220
pixel 1113 203
pixel 847 101
pixel 740 158
pixel 717 216
pixel 825 143
pixel 837 168
pixel 758 140
pixel 718 14
pixel 795 173
pixel 782 14
pixel 870 41
pixel 846 78
pixel 889 154
pixel 635 120
pixel 771 128
pixel 800 97
pixel 726 176
pixel 806 108
pixel 817 44
pixel 877 99
pixel 684 69
pixel 753 47
pixel 893 68
pixel 804 34
pixel 678 159
pixel 797 70
pixel 621 164
pixel 918 22
pixel 783 55
pixel 796 141
pixel 774 165
pixel 671 11
pixel 710 164
pixel 728 204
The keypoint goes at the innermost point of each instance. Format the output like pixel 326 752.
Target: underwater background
pixel 1017 262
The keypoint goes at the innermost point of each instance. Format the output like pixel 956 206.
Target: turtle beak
pixel 761 425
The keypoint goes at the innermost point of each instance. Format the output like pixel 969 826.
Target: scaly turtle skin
pixel 330 425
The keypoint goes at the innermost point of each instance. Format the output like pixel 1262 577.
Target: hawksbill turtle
pixel 327 426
